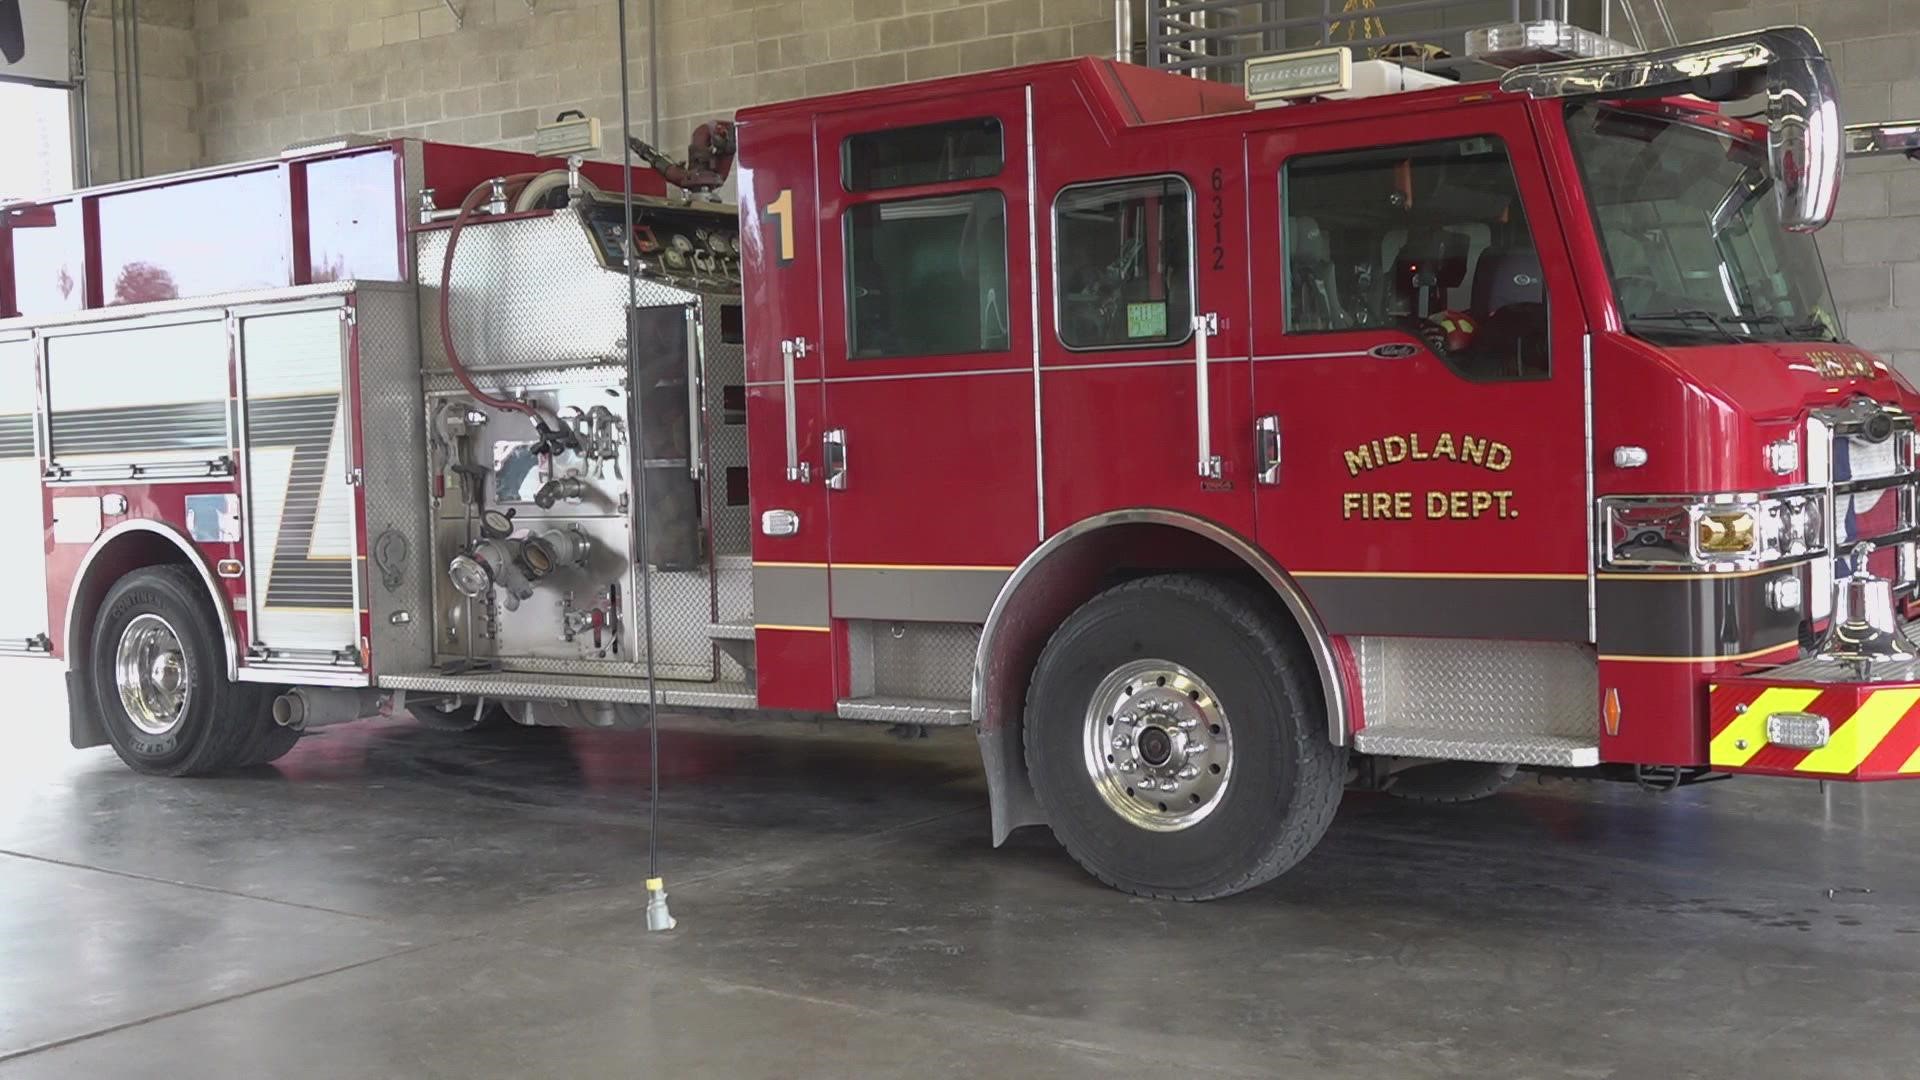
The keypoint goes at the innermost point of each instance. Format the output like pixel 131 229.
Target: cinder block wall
pixel 1873 251
pixel 276 71
pixel 270 72
pixel 169 87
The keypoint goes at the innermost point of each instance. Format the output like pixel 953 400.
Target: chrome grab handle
pixel 796 471
pixel 833 458
pixel 1267 449
pixel 1204 327
pixel 696 422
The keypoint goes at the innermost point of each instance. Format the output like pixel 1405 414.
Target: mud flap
pixel 83 719
pixel 1009 788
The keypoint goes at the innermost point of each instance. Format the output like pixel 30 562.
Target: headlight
pixel 1727 532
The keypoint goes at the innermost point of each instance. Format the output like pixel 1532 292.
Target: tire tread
pixel 1321 766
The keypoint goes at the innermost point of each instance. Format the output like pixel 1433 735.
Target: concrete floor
pixel 393 902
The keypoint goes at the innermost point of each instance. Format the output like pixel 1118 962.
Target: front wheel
pixel 1177 740
pixel 158 679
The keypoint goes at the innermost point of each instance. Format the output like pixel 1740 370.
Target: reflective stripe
pixel 1855 739
pixel 1912 767
pixel 1750 727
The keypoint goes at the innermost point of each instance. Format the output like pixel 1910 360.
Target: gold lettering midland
pixel 1489 454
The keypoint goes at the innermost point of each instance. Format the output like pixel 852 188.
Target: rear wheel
pixel 1177 740
pixel 158 678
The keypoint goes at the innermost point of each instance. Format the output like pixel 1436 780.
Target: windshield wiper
pixel 1806 328
pixel 1683 317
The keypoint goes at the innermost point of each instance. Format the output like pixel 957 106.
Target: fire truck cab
pixel 1208 456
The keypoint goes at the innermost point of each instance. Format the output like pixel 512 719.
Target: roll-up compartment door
pixel 23 625
pixel 303 570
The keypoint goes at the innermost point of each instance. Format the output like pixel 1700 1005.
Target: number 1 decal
pixel 782 209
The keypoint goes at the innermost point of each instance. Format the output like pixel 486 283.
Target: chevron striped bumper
pixel 1791 726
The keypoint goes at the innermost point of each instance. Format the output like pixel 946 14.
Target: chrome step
pixel 731 631
pixel 901 710
pixel 1560 750
pixel 515 685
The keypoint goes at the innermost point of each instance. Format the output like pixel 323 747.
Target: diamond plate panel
pixel 925 711
pixel 1478 700
pixel 507 686
pixel 394 453
pixel 527 292
pixel 912 660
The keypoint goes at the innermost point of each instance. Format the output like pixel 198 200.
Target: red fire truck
pixel 1207 455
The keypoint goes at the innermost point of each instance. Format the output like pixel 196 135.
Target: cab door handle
pixel 833 458
pixel 1266 452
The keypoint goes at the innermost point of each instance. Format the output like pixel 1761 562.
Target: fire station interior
pixel 982 538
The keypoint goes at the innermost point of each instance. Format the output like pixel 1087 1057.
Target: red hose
pixel 467 207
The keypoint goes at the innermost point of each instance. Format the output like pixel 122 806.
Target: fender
pixel 1010 792
pixel 223 612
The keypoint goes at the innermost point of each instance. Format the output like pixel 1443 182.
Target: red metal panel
pixel 1332 397
pixel 940 448
pixel 779 253
pixel 163 503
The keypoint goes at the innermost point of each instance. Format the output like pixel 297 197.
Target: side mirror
pixel 1803 115
pixel 1803 141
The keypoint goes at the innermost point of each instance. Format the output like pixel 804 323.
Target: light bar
pixel 1541 41
pixel 1313 73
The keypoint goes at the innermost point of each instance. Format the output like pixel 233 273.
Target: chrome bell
pixel 1864 629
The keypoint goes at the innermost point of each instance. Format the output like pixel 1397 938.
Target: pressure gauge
pixel 681 243
pixel 496 524
pixel 704 262
pixel 725 244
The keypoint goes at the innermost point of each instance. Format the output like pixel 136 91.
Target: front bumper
pixel 1820 720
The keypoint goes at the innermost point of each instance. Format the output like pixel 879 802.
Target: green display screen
pixel 1147 320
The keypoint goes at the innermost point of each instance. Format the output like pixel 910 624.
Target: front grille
pixel 1866 452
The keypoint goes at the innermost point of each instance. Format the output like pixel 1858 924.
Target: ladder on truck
pixel 1213 39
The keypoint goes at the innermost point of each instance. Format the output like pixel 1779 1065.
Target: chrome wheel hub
pixel 1158 747
pixel 150 671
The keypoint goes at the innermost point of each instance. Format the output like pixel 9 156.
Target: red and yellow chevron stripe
pixel 1874 729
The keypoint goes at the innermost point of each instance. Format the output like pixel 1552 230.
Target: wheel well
pixel 115 558
pixel 1071 569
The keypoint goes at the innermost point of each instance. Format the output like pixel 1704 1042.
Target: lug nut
pixel 1188 773
pixel 1127 765
pixel 1196 748
pixel 1188 723
pixel 1121 742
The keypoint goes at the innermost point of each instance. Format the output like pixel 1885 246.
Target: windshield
pixel 1692 233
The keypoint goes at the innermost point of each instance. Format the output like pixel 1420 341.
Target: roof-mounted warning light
pixel 1540 41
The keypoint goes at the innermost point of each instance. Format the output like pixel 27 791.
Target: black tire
pixel 215 719
pixel 1451 781
pixel 266 741
pixel 1285 778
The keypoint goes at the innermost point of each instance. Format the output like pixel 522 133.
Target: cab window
pixel 1123 263
pixel 1429 239
pixel 927 276
pixel 923 154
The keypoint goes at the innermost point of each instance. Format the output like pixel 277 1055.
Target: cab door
pixel 1419 377
pixel 779 247
pixel 927 355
